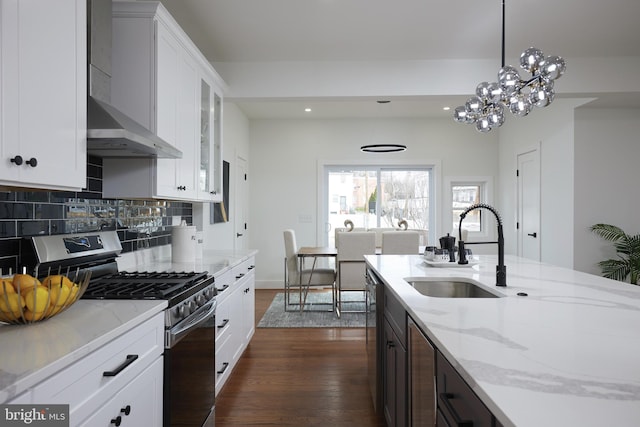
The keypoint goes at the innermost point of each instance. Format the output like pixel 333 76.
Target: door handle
pixel 534 234
pixel 239 234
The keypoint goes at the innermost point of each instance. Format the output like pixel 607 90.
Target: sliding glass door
pixel 376 196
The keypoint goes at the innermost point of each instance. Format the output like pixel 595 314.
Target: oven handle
pixel 199 316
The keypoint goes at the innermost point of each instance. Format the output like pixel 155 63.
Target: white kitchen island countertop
pixel 31 353
pixel 567 354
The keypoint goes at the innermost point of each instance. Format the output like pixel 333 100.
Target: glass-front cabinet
pixel 210 164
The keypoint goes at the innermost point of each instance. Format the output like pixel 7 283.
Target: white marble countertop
pixel 568 354
pixel 215 262
pixel 32 353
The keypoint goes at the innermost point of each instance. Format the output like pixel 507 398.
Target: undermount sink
pixel 450 289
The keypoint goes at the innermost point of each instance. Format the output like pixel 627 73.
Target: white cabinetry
pixel 124 375
pixel 235 317
pixel 160 79
pixel 43 91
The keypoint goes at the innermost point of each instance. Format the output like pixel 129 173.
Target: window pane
pixel 464 196
pixel 359 195
pixel 404 196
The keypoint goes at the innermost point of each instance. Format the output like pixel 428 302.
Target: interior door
pixel 529 204
pixel 241 204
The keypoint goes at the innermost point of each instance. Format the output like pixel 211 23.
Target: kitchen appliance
pixel 374 328
pixel 448 243
pixel 189 355
pixel 110 132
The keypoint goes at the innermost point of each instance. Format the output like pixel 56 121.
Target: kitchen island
pixel 566 354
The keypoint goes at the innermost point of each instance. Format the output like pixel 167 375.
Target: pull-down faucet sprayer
pixel 501 269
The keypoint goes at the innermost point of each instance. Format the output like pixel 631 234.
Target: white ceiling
pixel 378 30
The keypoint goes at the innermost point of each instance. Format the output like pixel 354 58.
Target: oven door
pixel 189 371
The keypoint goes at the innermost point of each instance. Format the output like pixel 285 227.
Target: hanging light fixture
pixel 511 92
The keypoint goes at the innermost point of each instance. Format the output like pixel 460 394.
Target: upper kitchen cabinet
pixel 161 80
pixel 43 87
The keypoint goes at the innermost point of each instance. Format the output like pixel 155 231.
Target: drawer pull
pixel 126 410
pixel 130 359
pixel 239 275
pixel 225 365
pixel 117 421
pixel 224 323
pixel 224 288
pixel 456 418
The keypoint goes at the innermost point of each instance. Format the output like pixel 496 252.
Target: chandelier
pixel 511 91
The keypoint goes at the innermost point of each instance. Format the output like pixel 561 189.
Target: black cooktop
pixel 172 286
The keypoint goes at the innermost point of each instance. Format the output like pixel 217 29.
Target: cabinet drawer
pixel 224 361
pixel 223 285
pixel 223 320
pixel 138 404
pixel 89 382
pixel 456 400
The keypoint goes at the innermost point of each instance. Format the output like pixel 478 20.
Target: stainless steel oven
pixel 189 356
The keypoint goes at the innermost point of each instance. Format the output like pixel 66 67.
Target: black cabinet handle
pixel 117 420
pixel 213 192
pixel 126 410
pixel 224 323
pixel 182 187
pixel 239 275
pixel 225 365
pixel 251 267
pixel 456 418
pixel 33 162
pixel 534 234
pixel 239 234
pixel 390 344
pixel 224 288
pixel 17 160
pixel 128 361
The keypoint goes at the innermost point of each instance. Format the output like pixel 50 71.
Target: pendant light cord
pixel 503 33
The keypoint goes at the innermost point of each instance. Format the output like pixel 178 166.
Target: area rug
pixel 276 317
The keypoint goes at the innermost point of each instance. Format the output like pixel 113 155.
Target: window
pixel 464 192
pixel 374 196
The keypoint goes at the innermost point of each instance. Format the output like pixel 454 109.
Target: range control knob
pixel 209 293
pixel 201 299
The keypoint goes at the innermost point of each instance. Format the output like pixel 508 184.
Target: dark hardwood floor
pixel 298 377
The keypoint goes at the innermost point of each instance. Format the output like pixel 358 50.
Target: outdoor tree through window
pixel 378 197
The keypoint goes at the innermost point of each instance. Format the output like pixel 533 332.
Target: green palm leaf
pixel 627 246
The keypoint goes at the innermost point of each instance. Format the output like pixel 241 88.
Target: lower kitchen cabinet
pixel 419 385
pixel 123 376
pixel 235 319
pixel 139 403
pixel 394 394
pixel 457 403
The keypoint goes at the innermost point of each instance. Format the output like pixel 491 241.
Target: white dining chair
pixel 400 243
pixel 350 265
pixel 302 279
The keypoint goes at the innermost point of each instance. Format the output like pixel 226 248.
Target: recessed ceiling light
pixel 446 108
pixel 307 110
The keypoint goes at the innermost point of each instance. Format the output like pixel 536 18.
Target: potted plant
pixel 628 247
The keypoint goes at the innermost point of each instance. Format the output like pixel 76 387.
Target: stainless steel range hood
pixel 110 132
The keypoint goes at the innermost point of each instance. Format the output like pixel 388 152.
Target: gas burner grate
pixel 144 285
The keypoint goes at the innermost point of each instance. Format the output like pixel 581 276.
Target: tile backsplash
pixel 139 223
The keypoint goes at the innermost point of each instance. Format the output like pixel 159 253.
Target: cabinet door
pixel 137 404
pixel 394 379
pixel 43 103
pixel 209 151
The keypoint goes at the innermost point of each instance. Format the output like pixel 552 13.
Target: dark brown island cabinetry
pixel 420 387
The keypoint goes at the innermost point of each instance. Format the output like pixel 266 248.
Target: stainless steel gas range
pixel 189 355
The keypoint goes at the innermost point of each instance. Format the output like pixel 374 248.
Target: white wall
pixel 284 160
pixel 552 129
pixel 236 143
pixel 607 174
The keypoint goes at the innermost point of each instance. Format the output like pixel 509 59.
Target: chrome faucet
pixel 501 269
